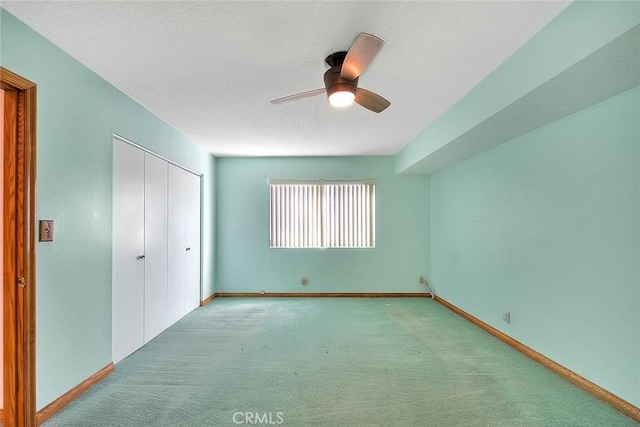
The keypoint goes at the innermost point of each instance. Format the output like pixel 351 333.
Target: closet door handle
pixel 188 249
pixel 140 257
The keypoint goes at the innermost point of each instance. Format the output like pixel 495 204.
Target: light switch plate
pixel 46 230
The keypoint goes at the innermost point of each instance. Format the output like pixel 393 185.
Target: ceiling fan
pixel 341 79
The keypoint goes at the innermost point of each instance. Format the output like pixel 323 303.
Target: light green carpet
pixel 332 362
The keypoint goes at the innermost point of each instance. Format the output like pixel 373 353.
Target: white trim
pixel 128 141
pixel 323 181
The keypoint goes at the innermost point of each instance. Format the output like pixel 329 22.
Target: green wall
pixel 547 226
pixel 78 112
pixel 245 263
pixel 546 79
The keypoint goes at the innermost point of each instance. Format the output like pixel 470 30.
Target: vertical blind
pixel 322 215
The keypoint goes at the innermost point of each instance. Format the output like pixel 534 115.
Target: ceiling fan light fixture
pixel 341 77
pixel 342 98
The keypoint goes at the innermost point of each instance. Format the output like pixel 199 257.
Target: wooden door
pixel 2 251
pixel 19 175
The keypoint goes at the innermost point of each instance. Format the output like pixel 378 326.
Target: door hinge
pixel 21 282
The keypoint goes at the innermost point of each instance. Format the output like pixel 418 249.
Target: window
pixel 322 214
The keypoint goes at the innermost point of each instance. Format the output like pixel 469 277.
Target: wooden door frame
pixel 19 279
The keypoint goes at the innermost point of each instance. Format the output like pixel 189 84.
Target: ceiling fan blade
pixel 360 55
pixel 371 101
pixel 300 95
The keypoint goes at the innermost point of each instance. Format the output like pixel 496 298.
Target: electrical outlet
pixel 304 280
pixel 507 317
pixel 422 280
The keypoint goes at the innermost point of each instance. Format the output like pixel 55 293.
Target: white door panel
pixel 192 241
pixel 155 220
pixel 176 244
pixel 128 248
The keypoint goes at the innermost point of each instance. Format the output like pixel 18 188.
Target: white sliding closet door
pixel 192 216
pixel 176 244
pixel 128 250
pixel 155 246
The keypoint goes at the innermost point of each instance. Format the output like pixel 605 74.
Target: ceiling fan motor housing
pixel 335 83
pixel 335 59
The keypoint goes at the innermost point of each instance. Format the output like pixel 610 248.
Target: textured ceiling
pixel 210 68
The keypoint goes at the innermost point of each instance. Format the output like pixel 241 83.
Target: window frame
pixel 363 237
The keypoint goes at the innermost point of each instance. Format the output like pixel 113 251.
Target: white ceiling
pixel 210 68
